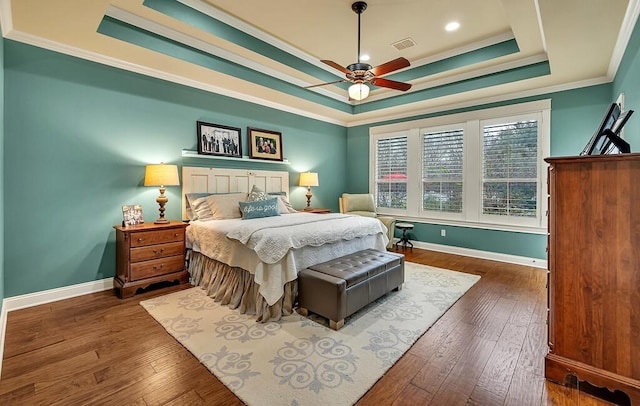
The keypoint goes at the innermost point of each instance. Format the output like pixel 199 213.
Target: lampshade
pixel 309 179
pixel 358 91
pixel 161 175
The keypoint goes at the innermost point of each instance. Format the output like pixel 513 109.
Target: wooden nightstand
pixel 317 211
pixel 149 253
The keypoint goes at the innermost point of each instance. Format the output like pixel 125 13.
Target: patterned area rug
pixel 297 361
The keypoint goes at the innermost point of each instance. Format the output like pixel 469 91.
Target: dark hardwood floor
pixel 488 349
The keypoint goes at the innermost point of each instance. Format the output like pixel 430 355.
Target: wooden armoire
pixel 594 271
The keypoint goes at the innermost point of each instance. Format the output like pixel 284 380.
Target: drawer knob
pixel 156 251
pixel 158 267
pixel 139 239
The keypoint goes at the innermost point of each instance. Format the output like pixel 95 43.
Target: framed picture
pixel 216 139
pixel 265 144
pixel 132 215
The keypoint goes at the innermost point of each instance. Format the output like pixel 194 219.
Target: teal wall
pixel 574 116
pixel 77 137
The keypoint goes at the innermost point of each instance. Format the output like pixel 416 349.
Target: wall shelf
pixel 194 154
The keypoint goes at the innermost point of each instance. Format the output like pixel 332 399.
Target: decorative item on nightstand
pixel 161 175
pixel 308 179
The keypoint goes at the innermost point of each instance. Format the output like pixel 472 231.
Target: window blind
pixel 391 172
pixel 510 162
pixel 442 170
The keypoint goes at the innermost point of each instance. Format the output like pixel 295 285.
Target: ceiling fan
pixel 362 73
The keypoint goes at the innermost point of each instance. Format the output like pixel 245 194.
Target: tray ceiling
pixel 267 52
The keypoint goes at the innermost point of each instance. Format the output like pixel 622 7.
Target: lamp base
pixel 162 200
pixel 309 195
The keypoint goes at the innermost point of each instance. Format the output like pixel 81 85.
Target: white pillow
pixel 284 206
pixel 190 201
pixel 219 207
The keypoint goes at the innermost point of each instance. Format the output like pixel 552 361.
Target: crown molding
pixel 236 23
pixel 182 38
pixel 440 108
pixel 497 39
pixel 624 35
pixel 472 74
pixel 6 18
pixel 543 38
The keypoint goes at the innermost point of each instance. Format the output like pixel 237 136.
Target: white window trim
pixel 472 216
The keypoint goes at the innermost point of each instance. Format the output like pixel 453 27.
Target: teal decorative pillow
pixel 260 208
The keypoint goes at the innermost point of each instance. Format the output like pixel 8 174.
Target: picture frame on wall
pixel 265 144
pixel 219 140
pixel 132 215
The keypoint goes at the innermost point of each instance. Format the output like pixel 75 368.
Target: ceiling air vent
pixel 404 44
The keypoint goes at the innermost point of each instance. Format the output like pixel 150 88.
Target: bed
pixel 252 264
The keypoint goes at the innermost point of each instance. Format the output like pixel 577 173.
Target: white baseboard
pixel 46 296
pixel 493 256
pixel 53 295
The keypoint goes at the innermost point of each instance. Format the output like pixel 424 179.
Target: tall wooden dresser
pixel 594 271
pixel 149 253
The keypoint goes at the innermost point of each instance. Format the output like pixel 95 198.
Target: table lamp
pixel 308 179
pixel 161 175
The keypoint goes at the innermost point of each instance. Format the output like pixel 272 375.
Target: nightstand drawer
pixel 141 270
pixel 156 237
pixel 156 251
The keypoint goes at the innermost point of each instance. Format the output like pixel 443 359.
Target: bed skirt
pixel 235 287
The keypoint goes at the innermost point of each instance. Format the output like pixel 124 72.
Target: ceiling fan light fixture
pixel 361 73
pixel 358 91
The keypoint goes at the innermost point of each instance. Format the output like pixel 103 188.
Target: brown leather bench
pixel 338 288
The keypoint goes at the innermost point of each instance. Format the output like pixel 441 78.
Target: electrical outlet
pixel 443 233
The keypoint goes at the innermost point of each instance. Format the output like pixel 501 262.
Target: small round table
pixel 404 241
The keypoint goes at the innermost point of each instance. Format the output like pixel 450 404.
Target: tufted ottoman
pixel 338 288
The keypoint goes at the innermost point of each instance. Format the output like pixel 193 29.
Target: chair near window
pixel 362 204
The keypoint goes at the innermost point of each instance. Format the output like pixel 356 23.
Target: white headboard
pixel 224 180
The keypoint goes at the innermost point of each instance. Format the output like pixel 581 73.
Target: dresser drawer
pixel 155 267
pixel 156 237
pixel 156 251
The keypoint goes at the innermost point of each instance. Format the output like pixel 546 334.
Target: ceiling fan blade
pixel 328 83
pixel 390 66
pixel 336 66
pixel 391 84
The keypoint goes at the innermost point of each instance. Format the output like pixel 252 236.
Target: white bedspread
pixel 210 238
pixel 272 237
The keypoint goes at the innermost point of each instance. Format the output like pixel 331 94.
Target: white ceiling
pixel 583 41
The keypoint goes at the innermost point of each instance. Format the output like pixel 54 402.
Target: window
pixel 510 161
pixel 483 168
pixel 391 172
pixel 442 164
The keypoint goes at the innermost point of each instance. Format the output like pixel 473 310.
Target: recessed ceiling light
pixel 364 57
pixel 452 26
